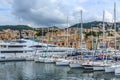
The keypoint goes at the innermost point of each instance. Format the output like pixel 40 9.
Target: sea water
pixel 41 71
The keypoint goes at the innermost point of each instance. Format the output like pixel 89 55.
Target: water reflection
pixel 41 71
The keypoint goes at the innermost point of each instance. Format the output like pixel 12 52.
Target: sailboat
pixel 97 65
pixel 77 63
pixel 114 66
pixel 101 64
pixel 117 69
pixel 64 61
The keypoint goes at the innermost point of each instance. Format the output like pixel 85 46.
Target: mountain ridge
pixel 85 25
pixel 15 27
pixel 96 24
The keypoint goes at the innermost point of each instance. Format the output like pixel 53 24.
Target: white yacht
pixel 27 46
pixel 16 49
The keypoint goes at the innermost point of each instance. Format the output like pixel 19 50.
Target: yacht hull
pixel 62 63
pixel 98 68
pixel 75 65
pixel 109 69
pixel 117 71
pixel 87 67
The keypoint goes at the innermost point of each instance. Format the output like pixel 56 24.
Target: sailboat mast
pixel 67 32
pixel 42 36
pixel 103 29
pixel 77 33
pixel 42 40
pixel 115 23
pixel 81 28
pixel 92 36
pixel 33 35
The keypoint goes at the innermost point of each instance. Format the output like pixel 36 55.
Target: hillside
pixel 85 25
pixel 15 27
pixel 96 24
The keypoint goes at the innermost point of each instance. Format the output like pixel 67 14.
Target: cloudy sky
pixel 54 12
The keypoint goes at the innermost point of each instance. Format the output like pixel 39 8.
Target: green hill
pixel 96 24
pixel 87 25
pixel 15 27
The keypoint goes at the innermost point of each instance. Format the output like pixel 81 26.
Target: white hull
pixel 49 60
pixel 109 69
pixel 62 63
pixel 44 60
pixel 117 71
pixel 87 65
pixel 88 68
pixel 97 68
pixel 112 68
pixel 75 65
pixel 41 60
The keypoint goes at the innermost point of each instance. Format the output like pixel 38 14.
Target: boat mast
pixel 104 41
pixel 42 41
pixel 67 32
pixel 81 28
pixel 48 42
pixel 77 32
pixel 115 24
pixel 103 30
pixel 52 38
pixel 92 37
pixel 42 36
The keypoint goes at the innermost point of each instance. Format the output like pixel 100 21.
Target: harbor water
pixel 41 71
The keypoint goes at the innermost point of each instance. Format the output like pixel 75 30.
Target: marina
pixel 59 40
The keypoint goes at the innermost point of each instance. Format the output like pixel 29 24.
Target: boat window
pixel 13 46
pixel 11 51
pixel 19 41
pixel 29 51
pixel 37 46
pixel 52 46
pixel 52 51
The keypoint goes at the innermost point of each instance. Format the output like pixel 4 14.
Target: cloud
pixel 40 14
pixel 45 12
pixel 55 12
pixel 108 16
pixel 77 9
